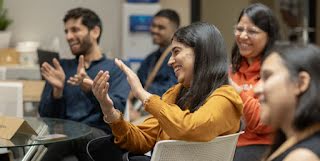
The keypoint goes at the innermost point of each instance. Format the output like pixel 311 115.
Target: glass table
pixel 45 126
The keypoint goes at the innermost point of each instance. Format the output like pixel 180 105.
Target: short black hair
pixel 89 18
pixel 169 14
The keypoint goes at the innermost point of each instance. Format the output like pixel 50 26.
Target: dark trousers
pixel 104 149
pixel 61 150
pixel 250 153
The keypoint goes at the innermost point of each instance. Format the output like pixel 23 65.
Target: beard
pixel 85 46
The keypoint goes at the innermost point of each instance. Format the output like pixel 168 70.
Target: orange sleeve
pixel 251 113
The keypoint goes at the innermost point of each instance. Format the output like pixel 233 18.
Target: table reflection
pixel 45 126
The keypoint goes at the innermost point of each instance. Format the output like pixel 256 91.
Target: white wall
pixel 41 20
pixel 224 15
pixel 183 7
pixel 139 45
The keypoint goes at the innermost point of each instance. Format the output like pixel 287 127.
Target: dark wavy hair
pixel 210 65
pixel 262 17
pixel 298 58
pixel 89 18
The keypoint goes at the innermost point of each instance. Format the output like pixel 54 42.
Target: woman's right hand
pixel 136 87
pixel 100 88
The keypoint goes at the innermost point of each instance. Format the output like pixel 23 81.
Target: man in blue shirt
pixel 164 25
pixel 66 97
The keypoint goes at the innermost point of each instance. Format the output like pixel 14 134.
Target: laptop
pixel 46 56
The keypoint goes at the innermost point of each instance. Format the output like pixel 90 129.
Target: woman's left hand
pixel 136 88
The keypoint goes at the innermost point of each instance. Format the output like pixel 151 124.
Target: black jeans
pixel 59 151
pixel 104 149
pixel 250 153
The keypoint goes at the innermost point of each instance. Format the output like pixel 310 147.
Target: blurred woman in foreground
pixel 289 94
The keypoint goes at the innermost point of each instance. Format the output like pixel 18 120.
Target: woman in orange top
pixel 255 32
pixel 200 107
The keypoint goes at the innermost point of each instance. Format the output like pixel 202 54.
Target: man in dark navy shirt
pixel 163 26
pixel 66 97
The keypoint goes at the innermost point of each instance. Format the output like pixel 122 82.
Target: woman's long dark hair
pixel 262 17
pixel 210 65
pixel 298 58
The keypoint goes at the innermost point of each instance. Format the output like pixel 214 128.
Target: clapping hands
pixel 55 76
pixel 79 77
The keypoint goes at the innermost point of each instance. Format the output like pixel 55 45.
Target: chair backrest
pixel 221 148
pixel 3 72
pixel 11 99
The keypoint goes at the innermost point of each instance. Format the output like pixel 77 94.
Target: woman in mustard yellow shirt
pixel 200 107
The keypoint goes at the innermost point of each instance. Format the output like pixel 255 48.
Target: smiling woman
pixel 255 33
pixel 200 107
pixel 289 96
pixel 182 61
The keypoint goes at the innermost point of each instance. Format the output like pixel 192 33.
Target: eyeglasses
pixel 251 32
